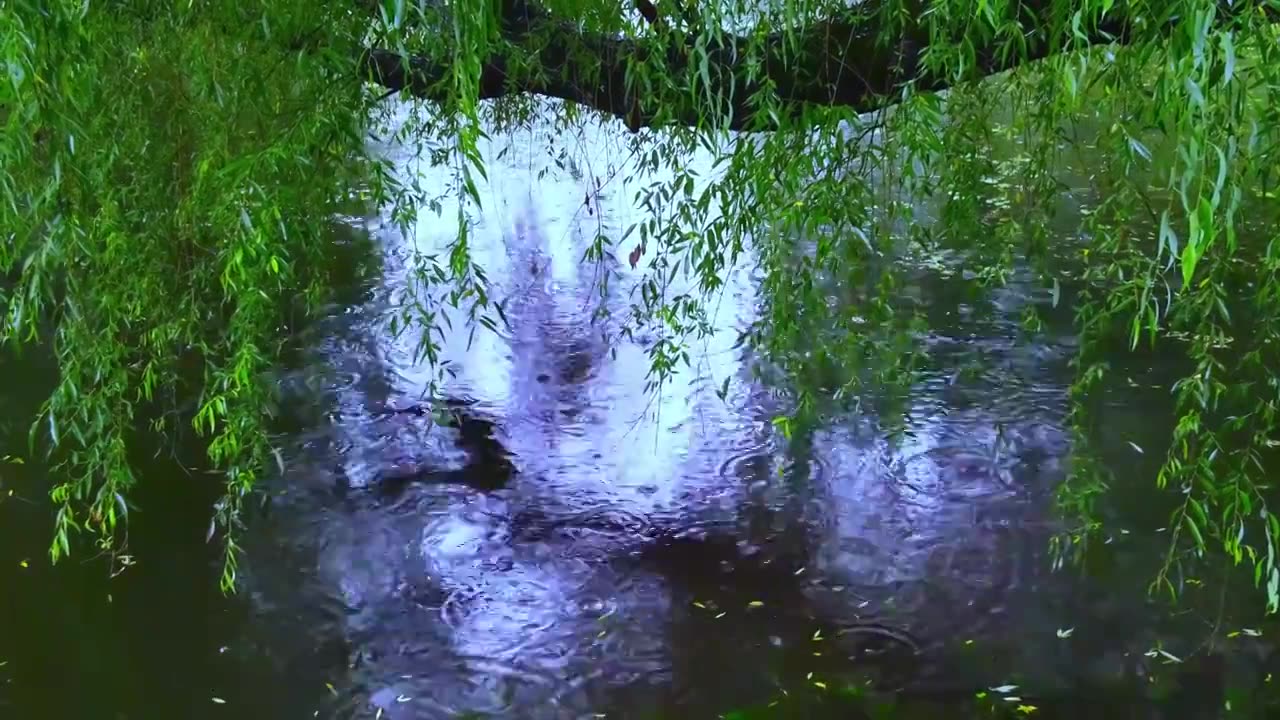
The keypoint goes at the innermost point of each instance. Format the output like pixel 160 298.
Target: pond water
pixel 644 554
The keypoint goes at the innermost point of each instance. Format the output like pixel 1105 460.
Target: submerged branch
pixel 860 60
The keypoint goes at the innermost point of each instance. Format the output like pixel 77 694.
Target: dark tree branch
pixel 839 62
pixel 648 12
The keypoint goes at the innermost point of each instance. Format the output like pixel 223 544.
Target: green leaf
pixel 1168 239
pixel 1229 58
pixel 1195 531
pixel 1139 148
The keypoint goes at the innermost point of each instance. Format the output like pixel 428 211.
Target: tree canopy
pixel 170 172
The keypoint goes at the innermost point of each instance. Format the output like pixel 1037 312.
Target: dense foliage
pixel 169 173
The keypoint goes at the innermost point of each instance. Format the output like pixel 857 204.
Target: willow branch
pixel 854 61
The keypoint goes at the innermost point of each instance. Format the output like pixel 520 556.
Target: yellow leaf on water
pixel 24 563
pixel 219 701
pixel 1027 709
pixel 331 690
pixel 820 685
pixel 755 603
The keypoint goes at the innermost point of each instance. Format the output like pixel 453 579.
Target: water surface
pixel 652 555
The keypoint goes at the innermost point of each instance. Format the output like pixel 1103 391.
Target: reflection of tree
pixel 556 354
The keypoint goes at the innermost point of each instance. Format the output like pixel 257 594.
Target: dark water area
pixel 571 545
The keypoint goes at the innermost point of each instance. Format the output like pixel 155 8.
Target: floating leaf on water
pixel 23 563
pixel 1251 632
pixel 1004 689
pixel 817 634
pixel 1013 699
pixel 219 700
pixel 1027 709
pixel 755 604
pixel 1064 634
pixel 403 698
pixel 720 615
pixel 968 642
pixel 699 605
pixel 331 689
pixel 1134 445
pixel 820 685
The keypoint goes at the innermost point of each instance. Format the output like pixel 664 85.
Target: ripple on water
pixel 457 604
pixel 619 521
pixel 758 465
pixel 457 685
pixel 754 463
pixel 955 473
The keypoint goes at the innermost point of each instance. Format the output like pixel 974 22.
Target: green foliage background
pixel 169 175
pixel 170 170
